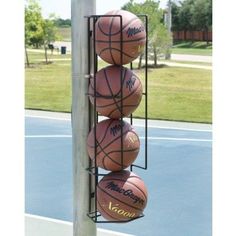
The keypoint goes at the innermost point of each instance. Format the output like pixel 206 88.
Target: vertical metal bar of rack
pixel 89 32
pixel 131 115
pixel 146 93
pixel 146 100
pixel 95 114
pixel 121 91
pixel 93 169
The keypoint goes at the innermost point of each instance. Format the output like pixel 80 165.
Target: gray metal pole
pixel 168 24
pixel 82 225
pixel 169 18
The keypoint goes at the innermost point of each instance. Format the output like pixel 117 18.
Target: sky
pixel 62 7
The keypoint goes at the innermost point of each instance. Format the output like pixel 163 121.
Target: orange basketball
pixel 108 138
pixel 108 39
pixel 108 91
pixel 121 196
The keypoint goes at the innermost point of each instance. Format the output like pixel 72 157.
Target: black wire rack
pixel 94 172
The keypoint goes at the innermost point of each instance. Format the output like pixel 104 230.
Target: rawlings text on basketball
pixel 133 31
pixel 126 192
pixel 115 208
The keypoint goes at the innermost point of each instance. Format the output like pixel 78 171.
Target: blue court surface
pixel 178 178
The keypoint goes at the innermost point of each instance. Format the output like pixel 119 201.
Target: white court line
pixel 135 125
pixel 150 138
pixel 48 219
pixel 48 117
pixel 40 225
pixel 49 136
pixel 176 128
pixel 178 139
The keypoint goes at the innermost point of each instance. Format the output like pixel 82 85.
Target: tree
pixel 161 43
pixel 136 9
pixel 38 31
pixel 63 22
pixel 158 35
pixel 27 38
pixel 175 11
pixel 185 16
pixel 49 34
pixel 33 23
pixel 33 26
pixel 192 15
pixel 202 15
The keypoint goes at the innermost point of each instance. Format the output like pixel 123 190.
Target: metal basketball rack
pixel 94 172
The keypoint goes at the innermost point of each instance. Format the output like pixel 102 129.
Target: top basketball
pixel 119 40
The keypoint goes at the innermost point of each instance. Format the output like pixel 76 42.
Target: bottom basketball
pixel 121 196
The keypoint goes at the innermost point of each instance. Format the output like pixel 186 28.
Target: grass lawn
pixel 39 56
pixel 182 94
pixel 193 48
pixel 48 87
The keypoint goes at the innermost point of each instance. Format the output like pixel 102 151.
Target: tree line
pixel 63 23
pixel 40 32
pixel 187 15
pixel 191 15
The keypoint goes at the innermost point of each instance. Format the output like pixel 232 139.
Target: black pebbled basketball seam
pixel 111 92
pixel 115 96
pixel 126 54
pixel 110 28
pixel 110 48
pixel 124 41
pixel 134 105
pixel 118 32
pixel 109 96
pixel 102 150
pixel 112 160
pixel 111 121
pixel 107 143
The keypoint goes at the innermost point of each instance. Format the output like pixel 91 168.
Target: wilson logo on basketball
pixel 126 192
pixel 133 31
pixel 115 208
pixel 130 82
